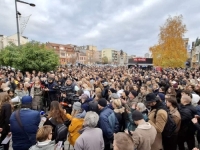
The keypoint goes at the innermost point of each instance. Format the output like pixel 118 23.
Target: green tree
pixel 28 57
pixel 105 60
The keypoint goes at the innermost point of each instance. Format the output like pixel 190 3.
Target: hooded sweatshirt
pixel 46 145
pixel 144 136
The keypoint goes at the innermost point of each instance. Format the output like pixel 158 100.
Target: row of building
pixel 71 54
pixel 194 54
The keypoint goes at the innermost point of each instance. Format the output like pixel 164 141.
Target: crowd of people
pixel 100 108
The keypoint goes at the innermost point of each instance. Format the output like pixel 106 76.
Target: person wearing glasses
pixel 43 137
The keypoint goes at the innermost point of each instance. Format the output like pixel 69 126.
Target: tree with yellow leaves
pixel 170 50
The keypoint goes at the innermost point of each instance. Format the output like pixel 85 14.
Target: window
pixel 62 48
pixel 62 54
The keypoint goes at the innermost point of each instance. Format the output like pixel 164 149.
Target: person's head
pixel 56 112
pixel 151 99
pixel 143 89
pixel 11 93
pixel 114 96
pixel 20 86
pixel 76 108
pixel 162 89
pixel 102 103
pixel 44 133
pixel 122 141
pixel 26 102
pixel 98 90
pixel 137 117
pixel 185 99
pixel 83 98
pixel 69 81
pixel 190 88
pixel 132 94
pixel 98 96
pixel 155 86
pixel 116 103
pixel 141 107
pixel 91 119
pixel 37 80
pixel 50 80
pixel 125 94
pixel 171 101
pixel 135 87
pixel 5 98
pixel 186 92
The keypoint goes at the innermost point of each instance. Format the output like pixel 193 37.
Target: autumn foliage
pixel 170 50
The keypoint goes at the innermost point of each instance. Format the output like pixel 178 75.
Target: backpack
pixel 61 131
pixel 170 125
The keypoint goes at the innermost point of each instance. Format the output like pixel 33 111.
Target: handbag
pixel 17 116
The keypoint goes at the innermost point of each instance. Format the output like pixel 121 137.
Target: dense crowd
pixel 100 108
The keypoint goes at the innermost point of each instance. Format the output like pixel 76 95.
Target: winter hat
pixel 151 97
pixel 77 106
pixel 102 102
pixel 134 93
pixel 114 96
pixel 26 99
pixel 137 115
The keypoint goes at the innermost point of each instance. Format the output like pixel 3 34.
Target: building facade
pixel 5 40
pixel 90 51
pixel 111 54
pixel 97 57
pixel 66 53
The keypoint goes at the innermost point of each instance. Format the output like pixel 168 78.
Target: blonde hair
pixel 98 90
pixel 43 133
pixel 117 103
pixel 4 98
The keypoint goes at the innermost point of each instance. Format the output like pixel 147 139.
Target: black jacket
pixel 187 112
pixel 5 114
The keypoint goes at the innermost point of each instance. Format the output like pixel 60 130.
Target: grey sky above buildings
pixel 130 25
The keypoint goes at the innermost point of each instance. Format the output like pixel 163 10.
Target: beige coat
pixel 177 118
pixel 144 136
pixel 159 123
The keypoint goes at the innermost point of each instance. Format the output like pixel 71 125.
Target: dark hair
pixel 10 90
pixel 57 112
pixel 187 92
pixel 173 101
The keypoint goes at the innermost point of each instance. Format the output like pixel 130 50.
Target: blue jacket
pixel 108 123
pixel 30 121
pixel 85 105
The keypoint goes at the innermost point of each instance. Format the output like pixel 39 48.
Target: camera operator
pixel 70 85
pixel 65 102
pixel 51 91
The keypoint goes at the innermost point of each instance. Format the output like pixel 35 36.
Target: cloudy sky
pixel 130 25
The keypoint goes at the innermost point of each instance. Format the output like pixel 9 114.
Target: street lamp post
pixel 17 13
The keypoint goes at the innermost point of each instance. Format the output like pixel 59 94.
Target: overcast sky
pixel 130 25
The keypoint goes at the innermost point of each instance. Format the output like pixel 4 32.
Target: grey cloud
pixel 129 25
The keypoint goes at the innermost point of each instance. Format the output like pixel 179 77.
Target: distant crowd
pixel 100 108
